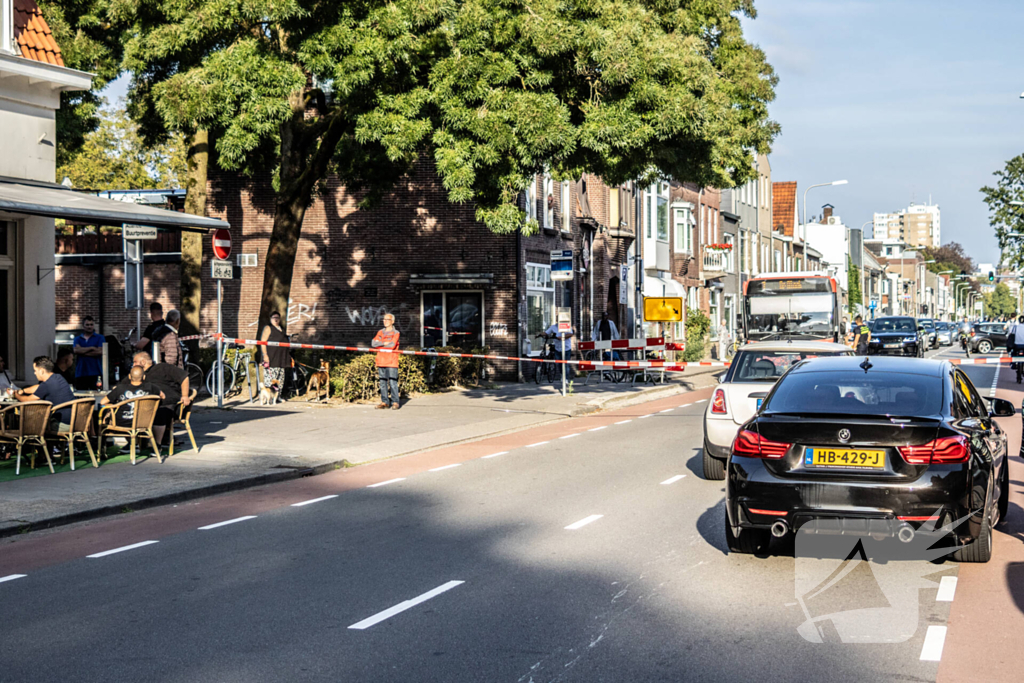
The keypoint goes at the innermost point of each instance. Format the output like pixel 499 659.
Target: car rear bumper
pixel 719 433
pixel 941 493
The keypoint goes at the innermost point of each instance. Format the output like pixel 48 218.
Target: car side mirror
pixel 721 378
pixel 1000 407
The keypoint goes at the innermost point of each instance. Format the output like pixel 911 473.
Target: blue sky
pixel 903 98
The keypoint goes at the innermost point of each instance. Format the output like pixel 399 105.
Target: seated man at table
pixel 172 381
pixel 132 386
pixel 66 365
pixel 53 388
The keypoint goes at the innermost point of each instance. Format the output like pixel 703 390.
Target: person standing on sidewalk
pixel 724 340
pixel 275 358
pixel 387 363
pixel 861 336
pixel 170 347
pixel 89 356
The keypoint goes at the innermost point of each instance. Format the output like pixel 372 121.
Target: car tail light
pixel 718 406
pixel 752 445
pixel 943 451
pixel 770 513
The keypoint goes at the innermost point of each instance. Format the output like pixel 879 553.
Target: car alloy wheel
pixel 984 346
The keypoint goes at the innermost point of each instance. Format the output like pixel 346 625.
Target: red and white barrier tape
pixel 584 365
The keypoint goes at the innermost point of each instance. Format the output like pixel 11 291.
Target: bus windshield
pixel 797 305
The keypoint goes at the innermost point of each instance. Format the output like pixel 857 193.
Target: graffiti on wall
pixel 497 330
pixel 406 318
pixel 297 312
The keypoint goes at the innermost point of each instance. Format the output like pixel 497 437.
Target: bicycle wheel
pixel 538 375
pixel 229 380
pixel 195 378
pixel 299 381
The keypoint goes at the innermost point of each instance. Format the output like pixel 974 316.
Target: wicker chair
pixel 81 421
pixel 182 417
pixel 141 427
pixel 34 417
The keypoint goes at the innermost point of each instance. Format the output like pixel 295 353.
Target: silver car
pixel 750 377
pixel 945 333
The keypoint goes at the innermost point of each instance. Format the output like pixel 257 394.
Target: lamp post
pixel 940 274
pixel 921 283
pixel 834 182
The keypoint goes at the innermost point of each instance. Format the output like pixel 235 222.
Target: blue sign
pixel 873 305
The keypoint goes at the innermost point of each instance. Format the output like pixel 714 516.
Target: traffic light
pixel 991 276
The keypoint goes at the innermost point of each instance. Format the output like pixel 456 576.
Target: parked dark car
pixel 896 336
pixel 876 447
pixel 988 336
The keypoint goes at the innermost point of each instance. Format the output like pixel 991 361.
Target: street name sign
pixel 138 232
pixel 663 309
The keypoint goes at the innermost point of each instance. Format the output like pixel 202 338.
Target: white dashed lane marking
pixel 315 500
pixel 12 577
pixel 583 522
pixel 933 640
pixel 539 443
pixel 494 455
pixel 402 606
pixel 385 483
pixel 230 521
pixel 445 467
pixel 667 410
pixel 623 422
pixel 672 480
pixel 645 416
pixel 133 546
pixel 703 400
pixel 947 588
pixel 597 429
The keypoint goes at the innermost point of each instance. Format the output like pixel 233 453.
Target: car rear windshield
pixel 894 325
pixel 768 366
pixel 857 393
pixel 944 327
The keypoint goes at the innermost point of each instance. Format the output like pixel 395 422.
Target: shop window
pixel 453 319
pixel 540 301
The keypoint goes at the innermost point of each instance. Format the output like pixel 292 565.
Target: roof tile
pixel 33 35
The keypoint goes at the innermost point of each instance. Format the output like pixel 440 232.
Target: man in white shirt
pixel 1015 335
pixel 5 378
pixel 605 329
pixel 563 342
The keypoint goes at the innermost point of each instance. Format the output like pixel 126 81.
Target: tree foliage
pixel 950 256
pixel 114 156
pixel 1003 216
pixel 856 296
pixel 492 91
pixel 81 30
pixel 1000 303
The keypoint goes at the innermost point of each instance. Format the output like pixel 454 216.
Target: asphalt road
pixel 587 550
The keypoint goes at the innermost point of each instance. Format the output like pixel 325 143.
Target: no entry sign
pixel 222 244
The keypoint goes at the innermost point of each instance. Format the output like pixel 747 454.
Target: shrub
pixel 697 327
pixel 357 379
pixel 443 373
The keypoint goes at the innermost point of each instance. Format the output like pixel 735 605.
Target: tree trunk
pixel 192 242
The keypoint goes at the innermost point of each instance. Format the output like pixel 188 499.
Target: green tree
pixel 81 30
pixel 493 91
pixel 856 297
pixel 950 256
pixel 1005 217
pixel 1000 303
pixel 114 156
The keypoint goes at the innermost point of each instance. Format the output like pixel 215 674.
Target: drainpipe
pixel 520 299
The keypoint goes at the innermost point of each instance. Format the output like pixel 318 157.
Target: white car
pixel 750 377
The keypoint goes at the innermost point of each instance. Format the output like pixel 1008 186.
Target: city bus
pixel 799 304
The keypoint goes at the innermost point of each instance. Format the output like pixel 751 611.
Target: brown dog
pixel 320 381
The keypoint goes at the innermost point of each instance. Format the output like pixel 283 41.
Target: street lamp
pixel 944 272
pixel 834 182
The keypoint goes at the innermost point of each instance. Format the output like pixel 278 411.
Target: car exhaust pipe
pixel 905 533
pixel 780 529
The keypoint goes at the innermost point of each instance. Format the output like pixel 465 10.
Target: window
pixel 531 199
pixel 663 212
pixel 691 297
pixel 540 300
pixel 453 319
pixel 648 228
pixel 7 45
pixel 564 205
pixel 730 256
pixel 683 228
pixel 613 207
pixel 714 226
pixel 547 206
pixel 713 313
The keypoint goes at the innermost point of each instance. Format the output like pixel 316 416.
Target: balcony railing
pixel 715 260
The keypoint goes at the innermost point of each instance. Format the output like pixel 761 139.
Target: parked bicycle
pixel 195 373
pixel 240 363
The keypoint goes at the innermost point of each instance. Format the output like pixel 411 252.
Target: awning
pixel 662 286
pixel 56 201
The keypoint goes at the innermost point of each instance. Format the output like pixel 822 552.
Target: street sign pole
pixel 563 363
pixel 220 346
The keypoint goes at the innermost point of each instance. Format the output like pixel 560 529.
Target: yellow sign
pixel 663 309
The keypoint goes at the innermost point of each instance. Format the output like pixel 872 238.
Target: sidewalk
pixel 247 445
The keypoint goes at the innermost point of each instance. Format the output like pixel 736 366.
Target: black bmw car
pixel 897 336
pixel 881 447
